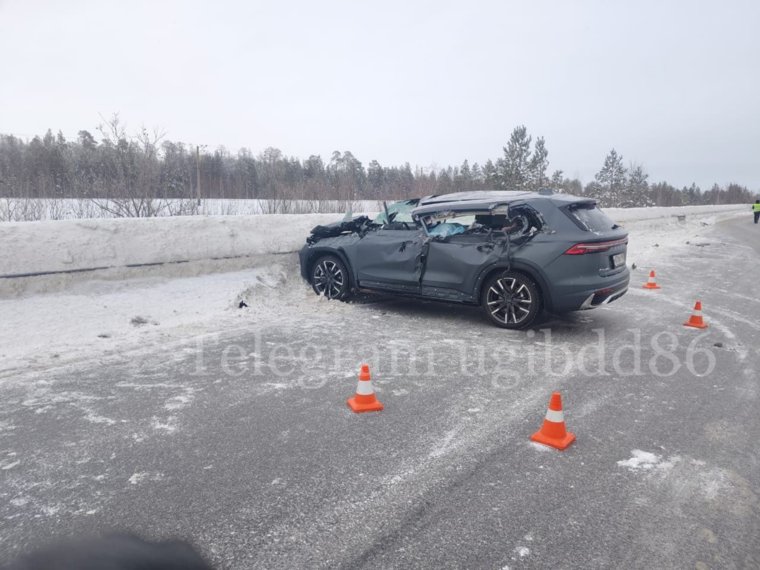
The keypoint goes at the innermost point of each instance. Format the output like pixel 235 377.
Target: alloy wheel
pixel 509 300
pixel 329 279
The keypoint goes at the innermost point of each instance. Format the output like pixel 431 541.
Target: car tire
pixel 329 278
pixel 511 300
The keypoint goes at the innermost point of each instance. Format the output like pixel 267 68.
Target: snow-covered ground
pixel 101 315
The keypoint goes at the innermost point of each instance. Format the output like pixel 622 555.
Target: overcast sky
pixel 672 85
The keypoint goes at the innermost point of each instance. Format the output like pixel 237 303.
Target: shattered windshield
pixel 398 211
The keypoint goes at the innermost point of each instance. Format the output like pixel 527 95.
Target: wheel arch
pixel 518 267
pixel 318 252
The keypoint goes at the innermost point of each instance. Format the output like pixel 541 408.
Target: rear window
pixel 590 218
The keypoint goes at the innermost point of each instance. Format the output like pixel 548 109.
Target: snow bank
pixel 73 245
pixel 37 209
pixel 50 255
pixel 622 215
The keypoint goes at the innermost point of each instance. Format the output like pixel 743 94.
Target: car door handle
pixel 485 246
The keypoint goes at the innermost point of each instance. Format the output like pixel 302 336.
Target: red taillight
pixel 594 247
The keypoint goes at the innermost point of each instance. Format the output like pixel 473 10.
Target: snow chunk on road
pixel 11 465
pixel 141 476
pixel 540 446
pixel 678 479
pixel 522 551
pixel 169 426
pixel 640 460
pixel 647 461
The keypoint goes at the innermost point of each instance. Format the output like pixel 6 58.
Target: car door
pixel 390 259
pixel 454 263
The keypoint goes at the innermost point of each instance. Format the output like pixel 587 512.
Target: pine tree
pixel 513 168
pixel 637 189
pixel 490 175
pixel 612 180
pixel 375 177
pixel 557 177
pixel 463 177
pixel 693 194
pixel 477 173
pixel 537 165
pixel 522 168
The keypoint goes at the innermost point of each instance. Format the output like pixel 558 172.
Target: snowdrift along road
pixel 48 256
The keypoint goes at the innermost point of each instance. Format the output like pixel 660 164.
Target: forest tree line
pixel 113 165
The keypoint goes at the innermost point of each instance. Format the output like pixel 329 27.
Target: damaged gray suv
pixel 513 253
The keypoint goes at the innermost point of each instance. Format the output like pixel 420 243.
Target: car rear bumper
pixel 591 297
pixel 603 297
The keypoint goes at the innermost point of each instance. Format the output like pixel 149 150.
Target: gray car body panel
pixel 410 262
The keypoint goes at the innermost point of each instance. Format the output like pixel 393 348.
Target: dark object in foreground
pixel 513 253
pixel 114 552
pixel 242 305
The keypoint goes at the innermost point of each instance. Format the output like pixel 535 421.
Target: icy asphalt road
pixel 240 440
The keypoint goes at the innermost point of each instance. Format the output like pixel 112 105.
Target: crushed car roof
pixel 483 200
pixel 480 196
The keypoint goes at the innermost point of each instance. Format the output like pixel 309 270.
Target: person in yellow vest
pixel 756 210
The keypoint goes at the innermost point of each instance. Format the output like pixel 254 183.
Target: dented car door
pixel 454 264
pixel 390 259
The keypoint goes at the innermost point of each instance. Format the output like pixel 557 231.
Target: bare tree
pixel 132 187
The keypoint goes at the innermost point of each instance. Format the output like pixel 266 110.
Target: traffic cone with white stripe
pixel 364 400
pixel 695 320
pixel 651 283
pixel 553 432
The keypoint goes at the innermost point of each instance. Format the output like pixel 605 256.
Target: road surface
pixel 240 440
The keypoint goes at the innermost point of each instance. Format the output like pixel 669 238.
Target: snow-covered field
pixel 51 320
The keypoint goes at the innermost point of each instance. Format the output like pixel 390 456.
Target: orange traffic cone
pixel 696 320
pixel 364 400
pixel 651 283
pixel 553 432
